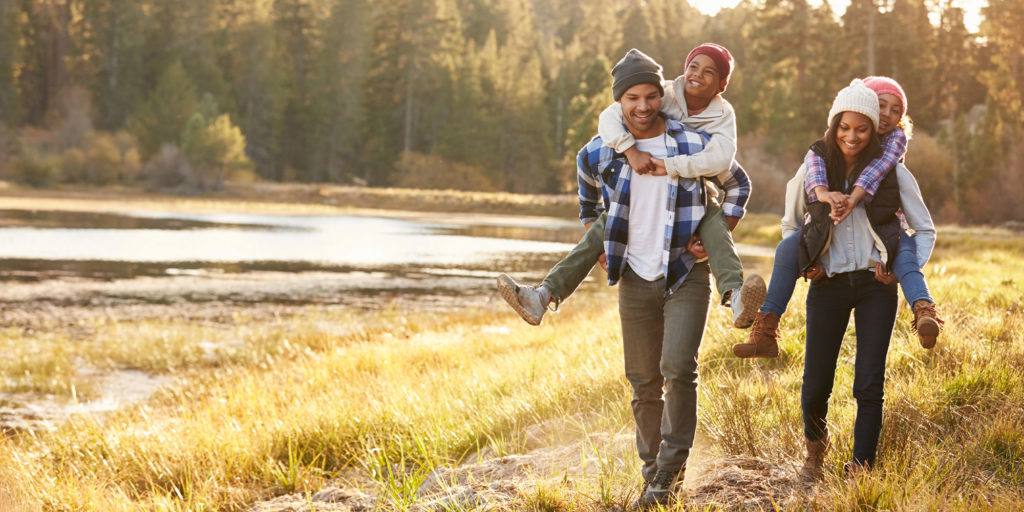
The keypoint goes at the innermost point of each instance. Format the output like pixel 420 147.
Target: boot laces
pixel 663 479
pixel 926 309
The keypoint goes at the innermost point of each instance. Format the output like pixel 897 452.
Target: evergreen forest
pixel 489 95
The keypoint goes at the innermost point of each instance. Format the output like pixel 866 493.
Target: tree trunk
pixel 407 145
pixel 871 37
pixel 57 49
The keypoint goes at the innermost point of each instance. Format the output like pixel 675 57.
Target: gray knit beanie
pixel 635 68
pixel 856 97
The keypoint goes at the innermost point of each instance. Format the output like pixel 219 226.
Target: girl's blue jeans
pixel 785 273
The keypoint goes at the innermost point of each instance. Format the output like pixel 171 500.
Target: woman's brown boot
pixel 763 340
pixel 814 464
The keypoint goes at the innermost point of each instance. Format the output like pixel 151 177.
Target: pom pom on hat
pixel 856 97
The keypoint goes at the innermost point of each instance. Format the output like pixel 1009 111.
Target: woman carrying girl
pixel 848 272
pixel 894 128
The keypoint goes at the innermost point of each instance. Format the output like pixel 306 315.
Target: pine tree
pixel 637 30
pixel 256 82
pixel 297 43
pixel 795 83
pixel 114 38
pixel 10 57
pixel 906 54
pixel 1002 26
pixel 163 115
pixel 338 92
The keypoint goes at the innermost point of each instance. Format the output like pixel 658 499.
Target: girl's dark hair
pixel 834 155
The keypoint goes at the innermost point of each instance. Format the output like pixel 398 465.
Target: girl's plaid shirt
pixel 894 146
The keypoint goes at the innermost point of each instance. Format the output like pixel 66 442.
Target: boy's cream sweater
pixel 718 120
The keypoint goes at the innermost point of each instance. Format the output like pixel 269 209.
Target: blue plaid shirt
pixel 604 176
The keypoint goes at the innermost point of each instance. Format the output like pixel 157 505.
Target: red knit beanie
pixel 885 85
pixel 719 54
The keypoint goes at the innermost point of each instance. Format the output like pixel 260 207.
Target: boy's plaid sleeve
pixel 736 184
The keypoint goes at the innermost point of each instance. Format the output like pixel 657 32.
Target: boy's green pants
pixel 714 232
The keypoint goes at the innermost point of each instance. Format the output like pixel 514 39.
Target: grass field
pixel 377 400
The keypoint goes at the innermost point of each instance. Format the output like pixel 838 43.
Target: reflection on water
pixel 66 271
pixel 43 219
pixel 43 245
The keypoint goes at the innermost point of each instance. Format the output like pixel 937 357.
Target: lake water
pixel 317 241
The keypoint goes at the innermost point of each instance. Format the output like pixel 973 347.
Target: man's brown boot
pixel 814 464
pixel 763 340
pixel 927 323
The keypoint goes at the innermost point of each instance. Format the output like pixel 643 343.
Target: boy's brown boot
pixel 814 464
pixel 927 323
pixel 763 340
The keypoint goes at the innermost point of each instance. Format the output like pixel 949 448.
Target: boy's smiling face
pixel 703 81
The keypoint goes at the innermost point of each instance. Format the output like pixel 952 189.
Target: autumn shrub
pixel 768 172
pixel 34 169
pixel 168 169
pixel 932 165
pixel 417 170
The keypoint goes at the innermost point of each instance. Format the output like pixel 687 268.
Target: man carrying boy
pixel 664 292
pixel 695 99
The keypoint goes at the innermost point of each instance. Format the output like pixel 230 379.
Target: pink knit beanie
pixel 885 85
pixel 719 54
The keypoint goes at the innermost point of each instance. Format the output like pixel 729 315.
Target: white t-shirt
pixel 648 211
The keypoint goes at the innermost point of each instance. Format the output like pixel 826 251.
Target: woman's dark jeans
pixel 829 302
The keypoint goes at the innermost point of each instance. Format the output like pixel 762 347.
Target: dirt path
pixel 579 467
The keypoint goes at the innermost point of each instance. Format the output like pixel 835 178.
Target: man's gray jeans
pixel 661 336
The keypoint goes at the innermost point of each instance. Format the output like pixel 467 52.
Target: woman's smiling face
pixel 853 134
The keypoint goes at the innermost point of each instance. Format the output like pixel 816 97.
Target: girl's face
pixel 853 134
pixel 889 112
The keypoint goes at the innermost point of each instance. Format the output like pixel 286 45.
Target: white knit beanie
pixel 856 97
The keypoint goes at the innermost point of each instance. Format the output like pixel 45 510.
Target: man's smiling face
pixel 640 106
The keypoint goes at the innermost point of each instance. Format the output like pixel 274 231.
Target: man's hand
pixel 696 248
pixel 882 275
pixel 732 222
pixel 603 261
pixel 816 272
pixel 659 167
pixel 640 161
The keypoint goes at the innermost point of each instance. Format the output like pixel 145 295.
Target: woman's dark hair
pixel 834 154
pixel 835 164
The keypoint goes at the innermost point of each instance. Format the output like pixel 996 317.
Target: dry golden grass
pixel 288 405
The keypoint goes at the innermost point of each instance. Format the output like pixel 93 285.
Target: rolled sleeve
pixel 736 184
pixel 611 129
pixel 589 185
pixel 893 148
pixel 815 176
